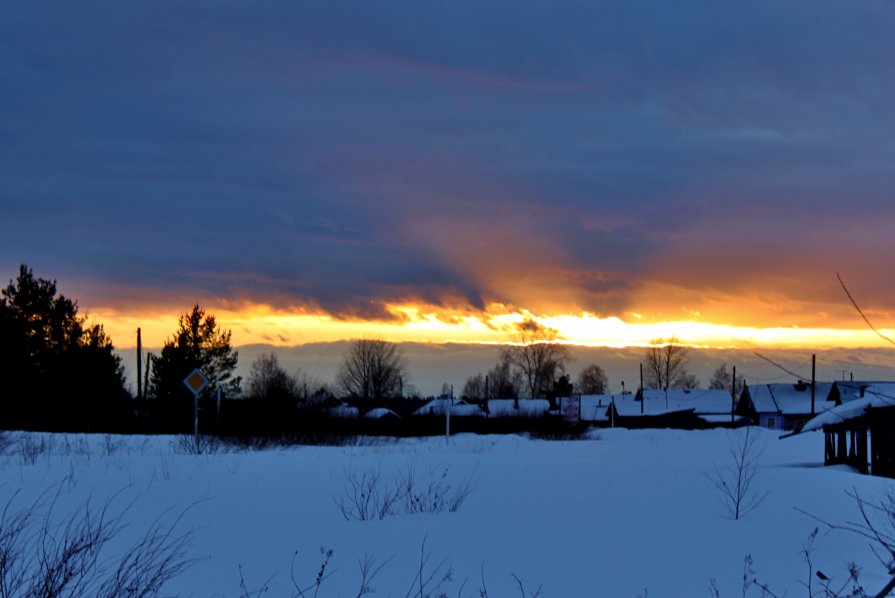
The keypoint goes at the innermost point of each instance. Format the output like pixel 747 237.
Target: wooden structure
pixel 846 444
pixel 847 429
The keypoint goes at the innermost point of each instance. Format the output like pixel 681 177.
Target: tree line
pixel 51 355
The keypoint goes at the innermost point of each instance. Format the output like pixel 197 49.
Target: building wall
pixel 773 421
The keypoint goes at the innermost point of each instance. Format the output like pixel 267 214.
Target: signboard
pixel 570 407
pixel 195 381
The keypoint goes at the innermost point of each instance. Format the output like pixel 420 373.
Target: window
pixel 772 422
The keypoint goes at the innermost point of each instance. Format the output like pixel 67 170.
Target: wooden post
pixel 733 394
pixel 813 360
pixel 450 403
pixel 641 389
pixel 139 366
pixel 146 373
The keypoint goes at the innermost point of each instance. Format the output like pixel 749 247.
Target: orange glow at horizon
pixel 262 324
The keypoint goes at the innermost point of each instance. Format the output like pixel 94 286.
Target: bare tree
pixel 734 480
pixel 666 365
pixel 592 381
pixel 474 387
pixel 504 382
pixel 722 379
pixel 372 369
pixel 535 352
pixel 268 380
pixel 688 381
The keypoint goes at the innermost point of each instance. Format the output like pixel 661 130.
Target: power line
pixel 772 362
pixel 853 302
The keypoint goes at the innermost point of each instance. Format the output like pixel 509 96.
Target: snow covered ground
pixel 624 513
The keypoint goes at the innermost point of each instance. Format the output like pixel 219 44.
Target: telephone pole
pixel 139 366
pixel 813 363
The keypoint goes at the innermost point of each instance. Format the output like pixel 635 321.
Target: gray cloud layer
pixel 340 154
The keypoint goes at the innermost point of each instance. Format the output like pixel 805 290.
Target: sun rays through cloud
pixel 262 324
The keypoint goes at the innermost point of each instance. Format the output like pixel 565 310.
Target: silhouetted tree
pixel 722 379
pixel 198 343
pixel 592 381
pixel 666 365
pixel 51 355
pixel 535 352
pixel 371 369
pixel 474 387
pixel 268 380
pixel 504 381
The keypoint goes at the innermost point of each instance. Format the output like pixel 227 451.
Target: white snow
pixel 458 409
pixel 620 514
pixel 526 407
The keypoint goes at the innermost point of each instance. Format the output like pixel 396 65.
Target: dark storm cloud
pixel 341 155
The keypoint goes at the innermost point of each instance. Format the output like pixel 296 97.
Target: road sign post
pixel 195 381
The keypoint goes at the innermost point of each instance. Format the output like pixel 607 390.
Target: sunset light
pixel 261 324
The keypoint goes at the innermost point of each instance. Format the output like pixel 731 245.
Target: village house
pixel 674 408
pixel 458 408
pixel 784 406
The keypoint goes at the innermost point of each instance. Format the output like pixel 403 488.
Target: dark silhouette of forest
pixel 60 373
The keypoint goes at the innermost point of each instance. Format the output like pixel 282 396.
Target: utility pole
pixel 733 393
pixel 813 363
pixel 146 373
pixel 139 366
pixel 642 398
pixel 450 403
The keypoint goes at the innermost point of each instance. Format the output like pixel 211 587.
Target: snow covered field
pixel 624 513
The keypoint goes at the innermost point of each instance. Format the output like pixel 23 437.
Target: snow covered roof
pixel 850 410
pixel 380 412
pixel 527 407
pixel 593 407
pixel 790 399
pixel 343 410
pixel 850 390
pixel 458 409
pixel 857 389
pixel 627 405
pixel 703 401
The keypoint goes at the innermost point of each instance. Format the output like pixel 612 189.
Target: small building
pixel 849 390
pixel 342 410
pixel 848 426
pixel 458 408
pixel 785 406
pixel 650 408
pixel 517 408
pixel 381 414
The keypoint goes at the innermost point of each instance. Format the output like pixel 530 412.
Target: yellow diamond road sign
pixel 196 381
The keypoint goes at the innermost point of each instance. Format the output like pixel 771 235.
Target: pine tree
pixel 198 343
pixel 58 370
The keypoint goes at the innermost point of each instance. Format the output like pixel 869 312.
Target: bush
pixel 369 496
pixel 45 556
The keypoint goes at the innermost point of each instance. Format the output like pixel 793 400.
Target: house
pixel 381 414
pixel 784 406
pixel 848 390
pixel 676 408
pixel 342 410
pixel 526 407
pixel 458 408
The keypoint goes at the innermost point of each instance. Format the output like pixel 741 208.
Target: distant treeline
pixel 60 373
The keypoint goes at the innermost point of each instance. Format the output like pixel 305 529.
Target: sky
pixel 440 171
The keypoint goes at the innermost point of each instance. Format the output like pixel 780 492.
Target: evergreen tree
pixel 58 370
pixel 198 343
